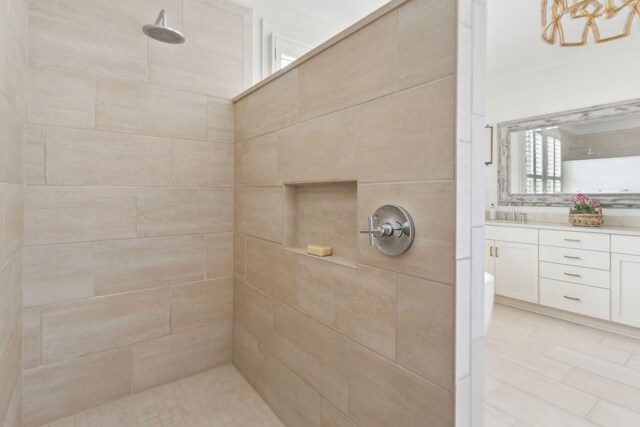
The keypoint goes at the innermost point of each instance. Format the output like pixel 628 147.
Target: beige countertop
pixel 629 231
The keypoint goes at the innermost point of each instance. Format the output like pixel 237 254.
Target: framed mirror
pixel 543 161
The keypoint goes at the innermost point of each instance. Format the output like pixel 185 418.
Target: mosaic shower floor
pixel 215 398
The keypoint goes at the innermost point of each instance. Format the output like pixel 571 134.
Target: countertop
pixel 629 231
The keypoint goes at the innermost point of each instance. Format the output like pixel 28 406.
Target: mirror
pixel 545 160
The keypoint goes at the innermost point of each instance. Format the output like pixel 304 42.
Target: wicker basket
pixel 586 220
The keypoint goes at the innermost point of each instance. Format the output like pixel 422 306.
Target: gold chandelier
pixel 569 22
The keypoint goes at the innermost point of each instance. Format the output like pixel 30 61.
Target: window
pixel 543 154
pixel 285 50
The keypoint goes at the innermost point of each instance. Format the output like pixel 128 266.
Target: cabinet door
pixel 625 289
pixel 489 256
pixel 516 270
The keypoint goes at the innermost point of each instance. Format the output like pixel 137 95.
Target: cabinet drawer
pixel 585 300
pixel 575 240
pixel 579 275
pixel 625 245
pixel 575 257
pixel 512 234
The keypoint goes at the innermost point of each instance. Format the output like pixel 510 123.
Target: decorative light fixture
pixel 569 22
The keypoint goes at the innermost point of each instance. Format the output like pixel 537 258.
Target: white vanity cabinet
pixel 625 280
pixel 513 261
pixel 594 273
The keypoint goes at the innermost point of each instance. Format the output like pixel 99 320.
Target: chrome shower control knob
pixel 391 230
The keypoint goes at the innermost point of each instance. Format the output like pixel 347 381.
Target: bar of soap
pixel 319 250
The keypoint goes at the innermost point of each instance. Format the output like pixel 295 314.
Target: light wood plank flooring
pixel 542 371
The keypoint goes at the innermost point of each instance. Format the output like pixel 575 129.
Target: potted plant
pixel 585 212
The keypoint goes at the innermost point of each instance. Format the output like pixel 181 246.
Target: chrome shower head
pixel 161 32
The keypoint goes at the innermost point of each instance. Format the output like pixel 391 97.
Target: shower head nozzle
pixel 161 32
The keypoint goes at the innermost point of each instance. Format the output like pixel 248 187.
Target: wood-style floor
pixel 542 371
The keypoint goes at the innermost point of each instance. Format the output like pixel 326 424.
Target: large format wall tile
pixel 201 65
pixel 61 98
pixel 318 150
pixel 202 164
pixel 259 212
pixel 12 64
pixel 78 214
pixel 272 270
pixel 166 211
pixel 359 68
pixel 431 205
pixel 125 13
pixel 253 311
pixel 257 114
pixel 13 219
pixel 87 157
pixel 220 121
pixel 257 162
pixel 246 354
pixel 360 303
pixel 34 153
pixel 293 401
pixel 57 273
pixel 383 394
pixel 67 41
pixel 10 368
pixel 75 329
pixel 53 392
pixel 219 258
pixel 316 353
pixel 136 264
pixel 426 329
pixel 32 336
pixel 426 42
pixel 176 356
pixel 149 110
pixel 12 141
pixel 14 414
pixel 421 124
pixel 6 289
pixel 201 304
pixel 332 417
pixel 239 256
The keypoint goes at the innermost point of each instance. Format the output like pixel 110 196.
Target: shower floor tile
pixel 215 398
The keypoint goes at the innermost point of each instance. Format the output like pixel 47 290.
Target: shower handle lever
pixel 387 229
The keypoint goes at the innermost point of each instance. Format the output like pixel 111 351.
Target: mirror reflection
pixel 595 156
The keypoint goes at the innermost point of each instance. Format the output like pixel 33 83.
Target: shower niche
pixel 323 213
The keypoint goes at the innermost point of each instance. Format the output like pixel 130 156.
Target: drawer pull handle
pixel 572 257
pixel 573 240
pixel 572 298
pixel 572 275
pixel 491 251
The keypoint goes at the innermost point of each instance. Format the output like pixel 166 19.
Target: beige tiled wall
pixel 128 217
pixel 13 113
pixel 371 341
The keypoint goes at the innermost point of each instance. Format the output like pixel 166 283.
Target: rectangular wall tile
pixel 202 164
pixel 75 329
pixel 259 212
pixel 5 303
pixel 272 270
pixel 61 98
pixel 201 304
pixel 426 330
pixel 57 391
pixel 13 213
pixel 75 214
pixel 358 303
pixel 62 40
pixel 165 212
pixel 12 64
pixel 87 157
pixel 426 42
pixel 176 356
pixel 257 162
pixel 432 206
pixel 12 142
pixel 17 279
pixel 314 352
pixel 210 62
pixel 32 336
pixel 219 249
pixel 359 68
pixel 257 114
pixel 150 110
pixel 384 394
pixel 293 401
pixel 10 368
pixel 253 312
pixel 332 417
pixel 14 414
pixel 240 256
pixel 220 121
pixel 131 265
pixel 34 173
pixel 57 273
pixel 246 354
pixel 318 150
pixel 421 124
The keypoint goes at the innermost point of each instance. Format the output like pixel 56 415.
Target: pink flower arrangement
pixel 584 204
